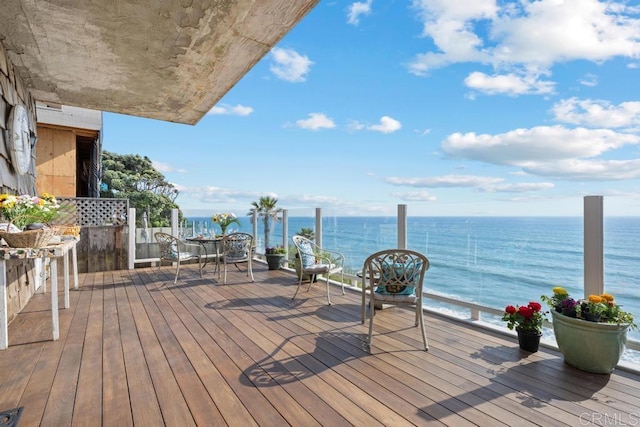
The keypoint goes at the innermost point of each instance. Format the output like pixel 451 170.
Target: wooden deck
pixel 135 349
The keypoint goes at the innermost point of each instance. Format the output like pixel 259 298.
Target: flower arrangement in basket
pixel 526 318
pixel 30 213
pixel 224 220
pixel 594 308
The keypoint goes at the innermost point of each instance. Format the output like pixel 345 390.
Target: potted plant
pixel 27 218
pixel 224 220
pixel 275 257
pixel 591 333
pixel 527 321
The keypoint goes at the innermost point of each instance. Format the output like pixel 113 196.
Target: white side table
pixel 53 252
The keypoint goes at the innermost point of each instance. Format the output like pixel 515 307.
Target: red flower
pixel 510 309
pixel 535 306
pixel 525 312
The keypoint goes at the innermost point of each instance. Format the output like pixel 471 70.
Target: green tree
pixel 133 177
pixel 307 232
pixel 266 209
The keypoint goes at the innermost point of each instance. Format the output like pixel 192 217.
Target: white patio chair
pixel 176 251
pixel 395 276
pixel 315 260
pixel 237 248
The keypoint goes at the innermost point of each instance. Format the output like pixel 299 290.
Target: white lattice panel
pixel 87 212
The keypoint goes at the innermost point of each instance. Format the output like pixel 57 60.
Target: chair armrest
pixel 332 257
pixel 191 245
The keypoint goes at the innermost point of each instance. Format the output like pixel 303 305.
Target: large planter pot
pixel 274 261
pixel 589 346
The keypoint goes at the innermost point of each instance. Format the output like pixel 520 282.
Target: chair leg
pixel 298 287
pixel 328 293
pixel 224 280
pixel 422 329
pixel 200 266
pixel 250 271
pixel 177 272
pixel 371 314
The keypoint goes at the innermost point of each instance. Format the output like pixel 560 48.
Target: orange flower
pixel 596 299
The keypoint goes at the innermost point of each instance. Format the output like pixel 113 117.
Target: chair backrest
pixel 396 271
pixel 306 250
pixel 168 244
pixel 237 246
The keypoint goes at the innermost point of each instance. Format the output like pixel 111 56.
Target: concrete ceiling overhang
pixel 170 60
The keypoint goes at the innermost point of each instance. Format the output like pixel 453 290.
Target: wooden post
pixel 593 246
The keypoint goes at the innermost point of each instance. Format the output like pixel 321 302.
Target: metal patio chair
pixel 315 260
pixel 174 250
pixel 395 276
pixel 237 248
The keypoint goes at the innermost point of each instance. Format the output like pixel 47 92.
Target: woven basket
pixel 28 239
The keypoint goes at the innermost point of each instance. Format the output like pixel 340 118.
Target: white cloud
pixel 597 113
pixel 386 125
pixel 445 181
pixel 289 65
pixel 316 121
pixel 415 196
pixel 509 84
pixel 357 9
pixel 589 80
pixel 550 151
pixel 165 167
pixel 521 187
pixel 525 38
pixel 238 110
pixel 483 183
pixel 587 170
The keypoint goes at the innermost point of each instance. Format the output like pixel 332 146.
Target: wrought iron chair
pixel 176 251
pixel 237 248
pixel 395 276
pixel 315 260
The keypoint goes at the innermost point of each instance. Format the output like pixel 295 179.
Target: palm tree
pixel 266 209
pixel 307 232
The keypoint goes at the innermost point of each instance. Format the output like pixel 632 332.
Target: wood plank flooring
pixel 135 349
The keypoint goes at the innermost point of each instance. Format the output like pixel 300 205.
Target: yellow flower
pixel 559 290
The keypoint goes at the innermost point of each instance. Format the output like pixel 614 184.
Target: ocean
pixel 493 261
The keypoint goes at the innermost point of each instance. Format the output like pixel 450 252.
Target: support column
pixel 402 226
pixel 593 245
pixel 319 227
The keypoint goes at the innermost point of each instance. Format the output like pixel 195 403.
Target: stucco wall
pixel 12 92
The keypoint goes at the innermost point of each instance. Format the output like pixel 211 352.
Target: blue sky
pixel 448 106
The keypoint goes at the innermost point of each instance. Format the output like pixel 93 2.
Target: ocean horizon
pixel 493 261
